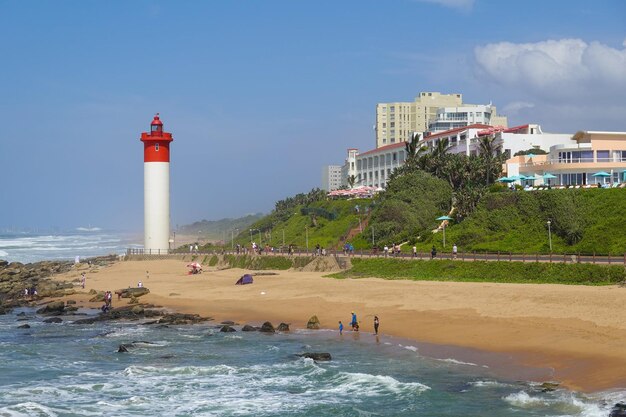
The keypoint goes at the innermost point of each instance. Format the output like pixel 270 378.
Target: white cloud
pixel 516 107
pixel 463 5
pixel 556 70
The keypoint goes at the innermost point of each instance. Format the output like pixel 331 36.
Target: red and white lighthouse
pixel 156 187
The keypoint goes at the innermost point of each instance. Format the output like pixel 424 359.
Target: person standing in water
pixel 354 323
pixel 340 327
pixel 376 324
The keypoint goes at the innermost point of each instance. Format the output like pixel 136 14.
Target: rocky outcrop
pixel 53 320
pixel 248 328
pixel 267 327
pixel 316 356
pixel 313 323
pixel 283 327
pixel 227 329
pixel 132 292
pixel 54 308
pixel 618 410
pixel 24 326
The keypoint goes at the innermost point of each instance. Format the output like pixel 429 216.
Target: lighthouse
pixel 156 187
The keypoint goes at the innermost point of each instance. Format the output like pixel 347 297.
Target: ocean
pixel 27 247
pixel 75 370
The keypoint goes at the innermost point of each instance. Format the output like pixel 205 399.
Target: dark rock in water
pixel 619 410
pixel 53 320
pixel 53 308
pixel 313 323
pixel 316 356
pixel 283 327
pixel 170 356
pixel 122 348
pixel 22 314
pixel 248 328
pixel 227 329
pixel 24 326
pixel 228 323
pixel 3 263
pixel 548 386
pixel 267 327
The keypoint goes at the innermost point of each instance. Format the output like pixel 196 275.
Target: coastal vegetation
pixel 480 271
pixel 266 262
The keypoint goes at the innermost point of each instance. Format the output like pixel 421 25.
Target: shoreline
pixel 574 335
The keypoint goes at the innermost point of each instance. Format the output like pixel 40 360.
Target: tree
pixel 491 155
pixel 351 181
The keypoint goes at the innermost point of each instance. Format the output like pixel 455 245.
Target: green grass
pixel 265 262
pixel 213 261
pixel 501 272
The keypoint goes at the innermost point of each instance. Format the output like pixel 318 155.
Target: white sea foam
pixel 3 253
pixel 457 362
pixel 523 399
pixel 372 385
pixel 488 384
pixel 411 348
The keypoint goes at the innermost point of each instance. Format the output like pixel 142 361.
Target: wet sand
pixel 574 334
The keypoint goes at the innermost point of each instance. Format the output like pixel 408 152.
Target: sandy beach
pixel 576 335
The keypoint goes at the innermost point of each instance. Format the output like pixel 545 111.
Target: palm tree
pixel 351 181
pixel 490 153
pixel 438 157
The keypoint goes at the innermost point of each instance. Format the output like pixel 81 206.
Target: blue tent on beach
pixel 245 279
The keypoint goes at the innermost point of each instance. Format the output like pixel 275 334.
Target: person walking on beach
pixel 433 252
pixel 454 251
pixel 190 248
pixel 414 251
pixel 354 323
pixel 147 275
pixel 196 248
pixel 83 279
pixel 376 324
pixel 340 327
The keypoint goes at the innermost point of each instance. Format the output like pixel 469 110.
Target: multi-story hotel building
pixel 597 158
pixel 396 122
pixel 453 117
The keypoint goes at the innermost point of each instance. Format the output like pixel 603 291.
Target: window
pixel 603 156
pixel 395 157
pixel 392 124
pixel 156 147
pixel 384 124
pixel 392 109
pixel 623 158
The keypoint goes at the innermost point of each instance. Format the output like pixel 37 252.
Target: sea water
pixel 27 247
pixel 75 370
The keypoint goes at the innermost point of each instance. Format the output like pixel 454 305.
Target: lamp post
pixel 549 234
pixel 306 233
pixel 373 237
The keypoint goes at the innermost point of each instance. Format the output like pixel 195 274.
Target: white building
pixel 331 177
pixel 453 117
pixel 349 167
pixel 374 167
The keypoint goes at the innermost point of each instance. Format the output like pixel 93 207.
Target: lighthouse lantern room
pixel 156 187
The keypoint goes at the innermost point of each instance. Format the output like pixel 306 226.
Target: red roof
pixel 156 121
pixel 385 148
pixel 458 129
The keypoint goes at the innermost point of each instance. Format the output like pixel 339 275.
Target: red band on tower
pixel 156 143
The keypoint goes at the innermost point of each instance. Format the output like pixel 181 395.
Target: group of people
pixel 433 252
pixel 193 248
pixel 108 301
pixel 394 250
pixel 348 248
pixel 320 251
pixel 30 291
pixel 354 323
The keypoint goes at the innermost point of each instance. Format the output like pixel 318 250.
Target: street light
pixel 306 231
pixel 445 219
pixel 549 234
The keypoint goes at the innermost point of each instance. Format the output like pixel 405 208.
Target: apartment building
pixel 331 177
pixel 396 122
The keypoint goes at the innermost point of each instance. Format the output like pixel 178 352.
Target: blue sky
pixel 260 94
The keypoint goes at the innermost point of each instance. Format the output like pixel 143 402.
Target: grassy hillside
pixel 582 221
pixel 217 229
pixel 324 221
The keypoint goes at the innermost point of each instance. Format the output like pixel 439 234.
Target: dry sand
pixel 576 333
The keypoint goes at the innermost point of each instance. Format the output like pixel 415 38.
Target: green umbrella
pixel 548 176
pixel 532 178
pixel 444 227
pixel 505 179
pixel 601 174
pixel 530 155
pixel 444 218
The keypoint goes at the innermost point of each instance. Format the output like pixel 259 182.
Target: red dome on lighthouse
pixel 156 142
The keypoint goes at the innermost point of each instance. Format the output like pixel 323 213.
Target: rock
pixel 53 320
pixel 132 292
pixel 122 348
pixel 316 356
pixel 283 327
pixel 248 328
pixel 227 329
pixel 24 326
pixel 53 308
pixel 313 323
pixel 618 410
pixel 98 297
pixel 137 310
pixel 93 292
pixel 267 327
pixel 548 386
pixel 22 314
pixel 70 302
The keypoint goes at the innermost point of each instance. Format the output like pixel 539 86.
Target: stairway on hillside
pixel 353 232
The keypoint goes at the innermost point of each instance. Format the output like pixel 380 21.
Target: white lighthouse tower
pixel 156 187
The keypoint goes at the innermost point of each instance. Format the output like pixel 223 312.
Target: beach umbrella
pixel 548 176
pixel 531 178
pixel 505 179
pixel 601 174
pixel 516 177
pixel 530 155
pixel 440 218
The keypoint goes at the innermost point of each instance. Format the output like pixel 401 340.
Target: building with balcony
pixel 373 168
pixel 597 158
pixel 397 122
